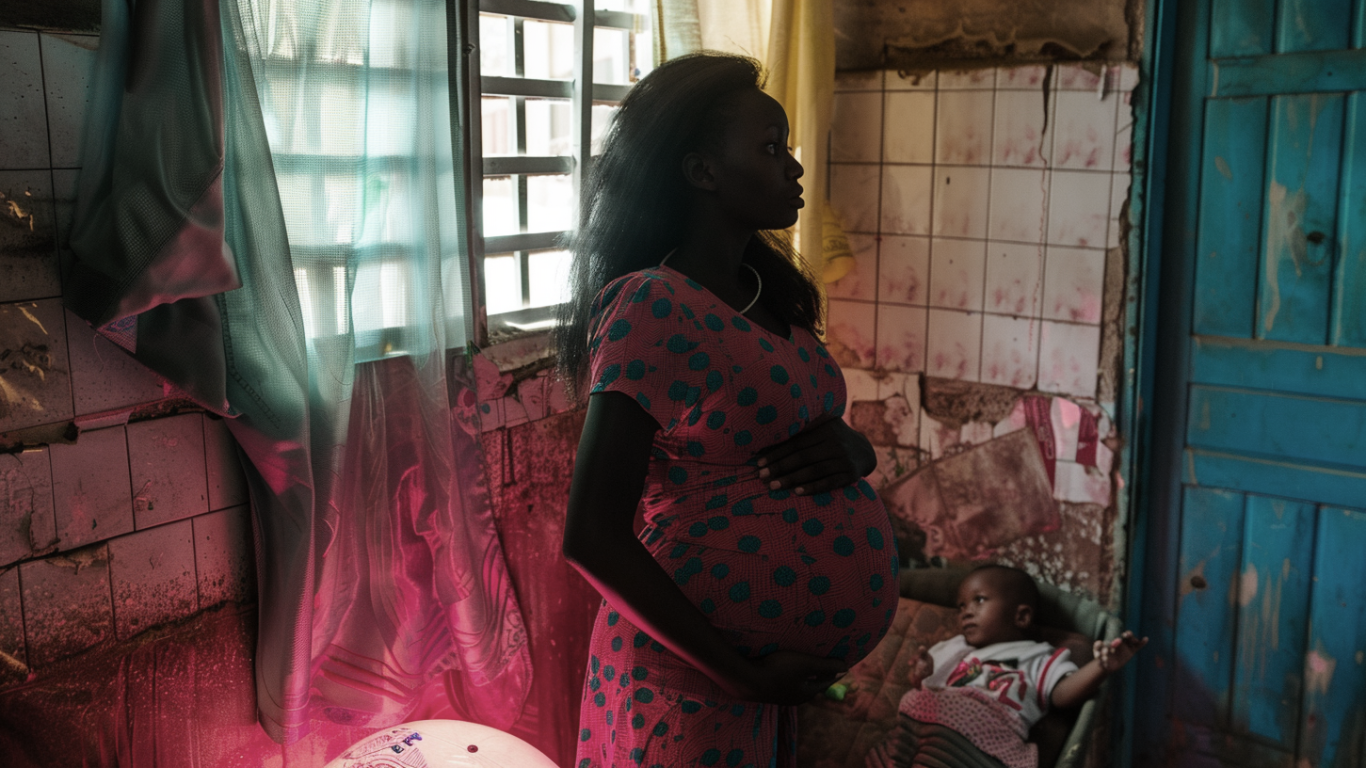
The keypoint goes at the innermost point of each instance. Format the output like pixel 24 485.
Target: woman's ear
pixel 697 169
pixel 1024 616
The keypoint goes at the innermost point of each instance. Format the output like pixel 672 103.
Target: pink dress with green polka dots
pixel 815 574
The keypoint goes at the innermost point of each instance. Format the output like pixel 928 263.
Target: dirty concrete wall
pixel 984 209
pixel 139 521
pixel 922 34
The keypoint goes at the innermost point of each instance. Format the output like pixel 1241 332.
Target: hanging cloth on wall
pixel 302 151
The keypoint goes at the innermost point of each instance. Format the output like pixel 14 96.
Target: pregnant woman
pixel 766 565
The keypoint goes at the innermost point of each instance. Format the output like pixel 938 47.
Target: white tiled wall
pixel 132 525
pixel 980 205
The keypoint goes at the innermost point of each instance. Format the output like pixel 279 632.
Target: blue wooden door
pixel 1263 612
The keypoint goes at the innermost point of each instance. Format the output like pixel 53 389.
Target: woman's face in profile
pixel 755 174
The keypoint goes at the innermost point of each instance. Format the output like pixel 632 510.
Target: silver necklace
pixel 759 282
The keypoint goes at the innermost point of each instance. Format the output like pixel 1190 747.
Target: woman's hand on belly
pixel 828 454
pixel 608 478
pixel 791 678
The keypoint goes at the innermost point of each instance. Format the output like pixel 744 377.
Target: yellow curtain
pixel 796 41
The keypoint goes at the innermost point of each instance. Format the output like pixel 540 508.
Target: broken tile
pixel 904 270
pixel 901 338
pixel 23 134
pixel 68 68
pixel 854 194
pixel 227 483
pixel 13 656
pixel 1010 351
pixel 893 463
pixel 66 604
pixel 1019 138
pixel 850 332
pixel 1078 208
pixel 152 573
pixel 892 384
pixel 1014 282
pixel 166 462
pixel 103 376
pixel 908 128
pixel 1068 358
pixel 954 344
pixel 960 201
pixel 225 561
pixel 856 128
pixel 1084 131
pixel 90 488
pixel 903 420
pixel 936 438
pixel 34 372
pixel 1019 205
pixel 28 237
pixel 28 525
pixel 1074 280
pixel 963 121
pixel 975 433
pixel 861 280
pixel 860 385
pixel 957 273
pixel 906 195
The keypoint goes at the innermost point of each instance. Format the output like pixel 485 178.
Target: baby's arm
pixel 1109 657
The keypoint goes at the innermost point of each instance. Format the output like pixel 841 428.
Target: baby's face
pixel 985 612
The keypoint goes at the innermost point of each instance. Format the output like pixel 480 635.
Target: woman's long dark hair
pixel 633 211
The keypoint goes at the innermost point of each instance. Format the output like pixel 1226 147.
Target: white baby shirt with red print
pixel 991 695
pixel 1019 675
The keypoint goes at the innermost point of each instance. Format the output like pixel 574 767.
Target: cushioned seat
pixel 838 734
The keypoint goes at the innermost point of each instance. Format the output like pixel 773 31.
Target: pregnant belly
pixel 815 574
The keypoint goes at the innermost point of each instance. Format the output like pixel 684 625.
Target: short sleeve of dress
pixel 641 343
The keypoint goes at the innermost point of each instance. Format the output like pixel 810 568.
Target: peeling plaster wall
pixel 985 210
pixel 922 34
pixel 119 511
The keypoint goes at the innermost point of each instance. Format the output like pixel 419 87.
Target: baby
pixel 980 692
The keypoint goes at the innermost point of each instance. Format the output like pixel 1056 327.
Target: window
pixel 534 126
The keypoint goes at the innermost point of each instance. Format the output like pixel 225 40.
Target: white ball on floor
pixel 441 744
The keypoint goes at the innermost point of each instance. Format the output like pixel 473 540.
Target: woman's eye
pixel 772 147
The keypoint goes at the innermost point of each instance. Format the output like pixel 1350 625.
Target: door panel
pixel 1300 216
pixel 1349 308
pixel 1313 25
pixel 1273 585
pixel 1230 242
pixel 1263 606
pixel 1334 668
pixel 1312 429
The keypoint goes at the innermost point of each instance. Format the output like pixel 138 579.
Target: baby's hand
pixel 921 667
pixel 1116 653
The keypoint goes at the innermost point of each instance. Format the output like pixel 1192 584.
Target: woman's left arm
pixel 828 454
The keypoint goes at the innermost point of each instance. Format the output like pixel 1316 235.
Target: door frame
pixel 1163 211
